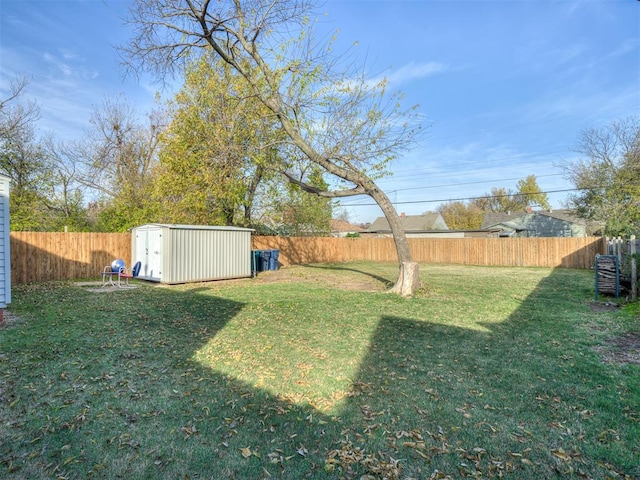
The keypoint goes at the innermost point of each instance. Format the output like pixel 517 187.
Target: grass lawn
pixel 314 372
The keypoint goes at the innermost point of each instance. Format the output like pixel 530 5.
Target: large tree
pixel 338 120
pixel 217 151
pixel 115 160
pixel 65 194
pixel 23 160
pixel 607 176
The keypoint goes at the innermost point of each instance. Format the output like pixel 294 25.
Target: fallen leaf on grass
pixel 607 436
pixel 561 454
pixel 566 456
pixel 189 430
pixel 276 457
pixel 246 452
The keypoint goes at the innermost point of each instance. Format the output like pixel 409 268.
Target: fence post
pixel 619 249
pixel 634 274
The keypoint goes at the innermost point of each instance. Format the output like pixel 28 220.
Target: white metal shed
pixel 5 244
pixel 191 253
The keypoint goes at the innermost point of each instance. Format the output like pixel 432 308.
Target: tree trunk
pixel 409 271
pixel 408 279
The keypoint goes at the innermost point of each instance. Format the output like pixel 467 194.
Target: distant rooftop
pixel 412 223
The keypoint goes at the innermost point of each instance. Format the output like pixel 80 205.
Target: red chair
pixel 117 275
pixel 129 273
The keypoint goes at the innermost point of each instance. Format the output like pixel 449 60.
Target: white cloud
pixel 70 65
pixel 415 71
pixel 627 46
pixel 409 72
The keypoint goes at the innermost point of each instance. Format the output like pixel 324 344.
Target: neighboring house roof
pixel 412 223
pixel 337 225
pixel 499 218
pixel 540 223
pixel 566 215
pixel 509 219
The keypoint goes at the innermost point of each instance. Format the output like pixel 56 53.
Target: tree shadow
pixel 385 281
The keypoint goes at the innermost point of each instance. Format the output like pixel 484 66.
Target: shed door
pixel 149 252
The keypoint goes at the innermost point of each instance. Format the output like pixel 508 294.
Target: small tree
pixel 461 216
pixel 502 199
pixel 530 194
pixel 64 193
pixel 337 120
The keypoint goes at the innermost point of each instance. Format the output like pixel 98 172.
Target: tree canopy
pixel 43 196
pixel 461 216
pixel 468 216
pixel 216 150
pixel 500 199
pixel 607 176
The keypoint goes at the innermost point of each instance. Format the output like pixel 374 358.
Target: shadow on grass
pixel 108 387
pixel 385 281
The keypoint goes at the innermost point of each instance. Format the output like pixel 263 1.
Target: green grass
pixel 486 373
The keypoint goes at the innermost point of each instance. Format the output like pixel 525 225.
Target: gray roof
pixel 567 215
pixel 499 218
pixel 411 223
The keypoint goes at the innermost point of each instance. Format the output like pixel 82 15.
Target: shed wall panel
pixel 195 255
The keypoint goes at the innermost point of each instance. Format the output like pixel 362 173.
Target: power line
pixel 457 185
pixel 412 171
pixel 473 183
pixel 413 202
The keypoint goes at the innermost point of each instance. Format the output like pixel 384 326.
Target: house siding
pixel 5 253
pixel 538 225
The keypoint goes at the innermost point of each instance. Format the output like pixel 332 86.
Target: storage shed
pixel 191 253
pixel 5 244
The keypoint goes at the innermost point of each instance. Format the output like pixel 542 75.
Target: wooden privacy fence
pixel 38 257
pixel 44 256
pixel 526 252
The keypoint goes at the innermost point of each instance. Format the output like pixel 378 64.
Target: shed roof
pixel 177 226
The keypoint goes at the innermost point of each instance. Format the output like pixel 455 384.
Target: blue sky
pixel 505 86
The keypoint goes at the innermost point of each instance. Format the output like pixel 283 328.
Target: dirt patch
pixel 603 306
pixel 338 278
pixel 10 320
pixel 623 349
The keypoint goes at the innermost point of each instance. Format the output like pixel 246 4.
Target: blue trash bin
pixel 273 259
pixel 263 265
